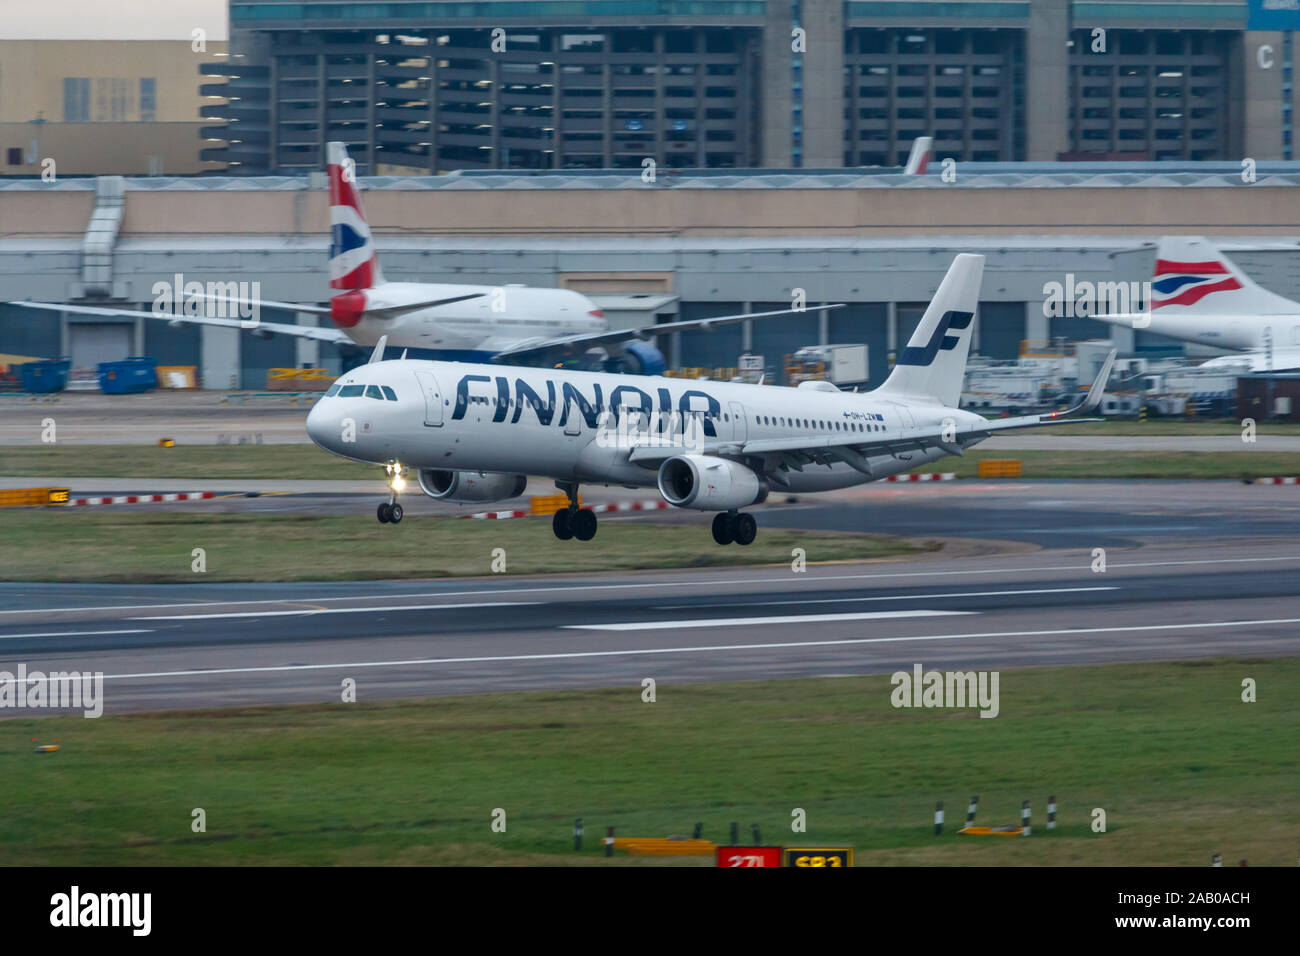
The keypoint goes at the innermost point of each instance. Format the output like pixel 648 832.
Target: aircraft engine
pixel 708 483
pixel 642 358
pixel 470 486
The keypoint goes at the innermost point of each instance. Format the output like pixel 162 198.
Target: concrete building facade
pixel 441 85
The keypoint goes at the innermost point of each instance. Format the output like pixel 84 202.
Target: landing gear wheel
pixel 561 525
pixel 394 513
pixel 744 529
pixel 722 528
pixel 584 524
pixel 385 513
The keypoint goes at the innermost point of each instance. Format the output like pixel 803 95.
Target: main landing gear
pixel 390 512
pixel 729 526
pixel 573 522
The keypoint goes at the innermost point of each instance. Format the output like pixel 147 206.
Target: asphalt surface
pixel 165 647
pixel 215 417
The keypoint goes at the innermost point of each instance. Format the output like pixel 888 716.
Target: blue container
pixel 45 377
pixel 135 373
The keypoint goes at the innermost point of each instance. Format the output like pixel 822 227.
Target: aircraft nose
pixel 320 424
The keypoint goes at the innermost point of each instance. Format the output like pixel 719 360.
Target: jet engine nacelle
pixel 707 483
pixel 470 486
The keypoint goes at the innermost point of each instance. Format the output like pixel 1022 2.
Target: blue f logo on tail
pixel 925 355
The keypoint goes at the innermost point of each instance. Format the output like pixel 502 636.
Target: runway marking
pixel 737 621
pixel 137 630
pixel 629 585
pixel 336 610
pixel 900 597
pixel 564 655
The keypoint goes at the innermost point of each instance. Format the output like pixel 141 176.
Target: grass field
pixel 306 462
pixel 119 545
pixel 1181 766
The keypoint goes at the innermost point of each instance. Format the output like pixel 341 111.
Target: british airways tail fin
pixel 1193 277
pixel 932 366
pixel 354 263
pixel 919 159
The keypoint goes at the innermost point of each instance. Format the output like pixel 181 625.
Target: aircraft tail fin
pixel 919 159
pixel 933 365
pixel 354 264
pixel 1192 276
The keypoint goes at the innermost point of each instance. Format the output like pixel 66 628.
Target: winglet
pixel 1098 389
pixel 378 354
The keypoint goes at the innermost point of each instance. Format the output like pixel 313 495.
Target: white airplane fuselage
pixel 472 330
pixel 511 420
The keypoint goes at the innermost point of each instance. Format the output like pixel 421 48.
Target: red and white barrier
pixel 924 476
pixel 1277 481
pixel 655 505
pixel 144 499
pixel 497 515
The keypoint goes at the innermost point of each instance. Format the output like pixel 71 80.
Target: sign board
pixel 748 856
pixel 1273 14
pixel 836 856
pixel 751 363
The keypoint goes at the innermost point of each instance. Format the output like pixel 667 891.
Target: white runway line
pixel 566 655
pixel 900 597
pixel 1083 565
pixel 137 630
pixel 336 610
pixel 755 621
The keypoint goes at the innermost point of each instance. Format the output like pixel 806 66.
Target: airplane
pixel 1199 295
pixel 443 321
pixel 918 160
pixel 473 433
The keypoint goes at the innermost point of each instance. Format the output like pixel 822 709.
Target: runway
pixel 165 647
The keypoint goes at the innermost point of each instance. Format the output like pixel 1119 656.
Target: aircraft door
pixel 432 397
pixel 739 423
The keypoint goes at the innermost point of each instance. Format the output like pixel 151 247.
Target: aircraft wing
pixel 855 450
pixel 328 333
pixel 615 336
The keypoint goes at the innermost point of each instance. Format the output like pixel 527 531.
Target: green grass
pixel 307 462
pixel 1130 464
pixel 1181 766
pixel 83 545
pixel 213 462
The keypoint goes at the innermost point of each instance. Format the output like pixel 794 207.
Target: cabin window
pixel 332 391
pixel 389 393
pixel 372 391
pixel 352 391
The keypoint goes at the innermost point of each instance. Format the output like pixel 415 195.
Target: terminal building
pixel 438 85
pixel 685 245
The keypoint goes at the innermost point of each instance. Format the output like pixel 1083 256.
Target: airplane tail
pixel 932 366
pixel 1192 277
pixel 354 264
pixel 919 159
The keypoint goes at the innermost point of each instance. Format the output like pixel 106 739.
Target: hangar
pixel 686 244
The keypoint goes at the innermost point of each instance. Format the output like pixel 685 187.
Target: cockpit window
pixel 332 391
pixel 372 391
pixel 351 391
pixel 389 393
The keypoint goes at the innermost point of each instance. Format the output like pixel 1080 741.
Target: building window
pixel 148 99
pixel 76 99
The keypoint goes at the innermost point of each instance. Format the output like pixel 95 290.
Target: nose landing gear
pixel 729 526
pixel 390 512
pixel 573 522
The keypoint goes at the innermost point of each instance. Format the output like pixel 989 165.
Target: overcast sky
pixel 111 20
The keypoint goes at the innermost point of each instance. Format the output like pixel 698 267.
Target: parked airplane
pixel 1199 295
pixel 472 433
pixel 445 321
